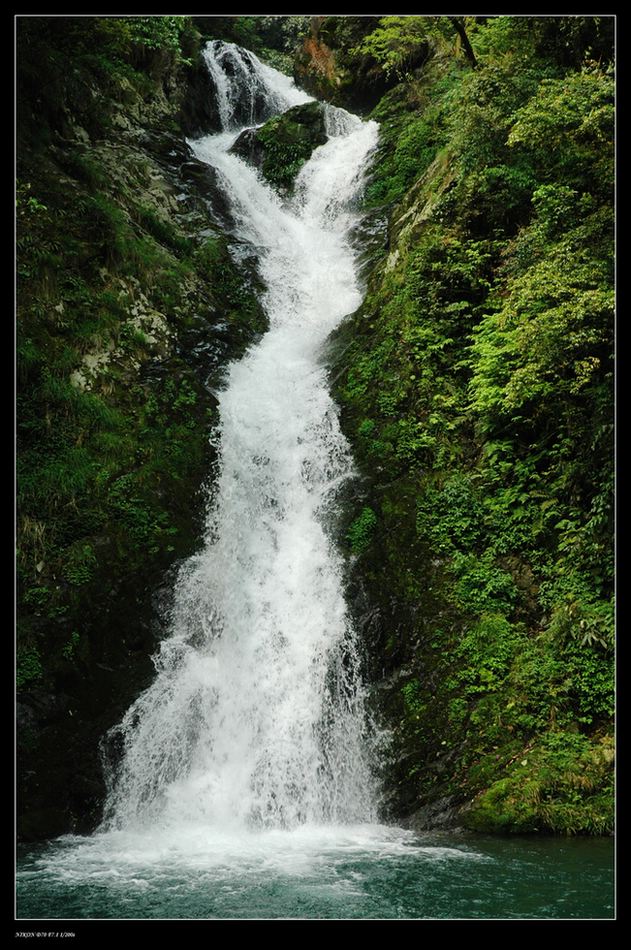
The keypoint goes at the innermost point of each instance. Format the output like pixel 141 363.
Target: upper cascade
pixel 248 92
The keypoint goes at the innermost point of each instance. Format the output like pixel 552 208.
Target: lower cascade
pixel 255 718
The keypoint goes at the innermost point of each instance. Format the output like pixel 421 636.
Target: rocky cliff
pixel 129 305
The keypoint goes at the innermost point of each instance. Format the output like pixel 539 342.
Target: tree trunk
pixel 466 45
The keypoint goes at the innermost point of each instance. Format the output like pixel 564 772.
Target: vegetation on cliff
pixel 476 381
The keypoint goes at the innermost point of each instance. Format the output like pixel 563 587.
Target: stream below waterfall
pixel 242 782
pixel 318 873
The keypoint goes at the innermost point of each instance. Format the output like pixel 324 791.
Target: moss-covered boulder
pixel 282 146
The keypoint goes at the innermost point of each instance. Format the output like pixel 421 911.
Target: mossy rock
pixel 562 785
pixel 282 146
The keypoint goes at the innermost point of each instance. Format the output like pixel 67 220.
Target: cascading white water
pixel 256 715
pixel 247 90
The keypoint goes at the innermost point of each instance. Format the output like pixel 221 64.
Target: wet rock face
pixel 443 814
pixel 62 743
pixel 249 147
pixel 199 114
pixel 199 201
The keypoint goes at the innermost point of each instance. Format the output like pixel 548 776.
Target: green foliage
pixel 557 41
pixel 414 148
pixel 146 525
pixel 546 340
pixel 411 696
pixel 124 36
pixel 283 62
pixel 567 128
pixel 236 29
pixel 401 43
pixel 563 784
pixel 483 110
pixel 29 666
pixel 478 392
pixel 25 202
pixel 487 652
pixel 453 516
pixel 361 531
pixel 80 564
pixel 284 157
pixel 70 647
pixel 577 612
pixel 413 130
pixel 37 596
pixel 592 686
pixel 481 585
pixel 156 32
pixel 396 43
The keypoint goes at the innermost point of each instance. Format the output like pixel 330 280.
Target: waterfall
pixel 241 786
pixel 256 715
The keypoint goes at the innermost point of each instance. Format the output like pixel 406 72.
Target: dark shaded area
pixel 198 115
